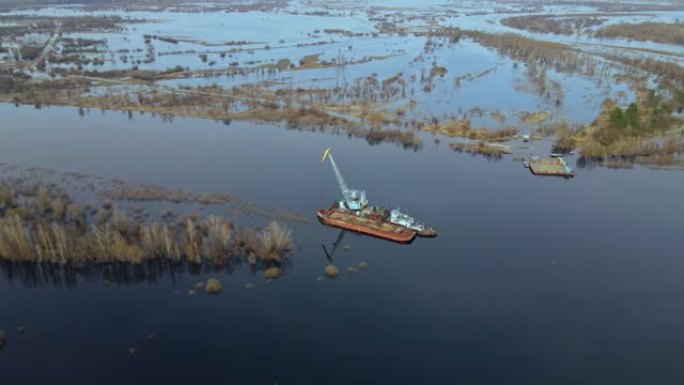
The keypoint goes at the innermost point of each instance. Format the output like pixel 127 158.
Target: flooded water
pixel 531 280
pixel 478 78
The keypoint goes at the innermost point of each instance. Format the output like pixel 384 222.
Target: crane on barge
pixel 353 213
pixel 354 200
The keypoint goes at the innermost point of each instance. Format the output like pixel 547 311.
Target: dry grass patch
pixel 276 242
pixel 461 128
pixel 535 117
pixel 481 148
pixel 217 244
pixel 309 61
pixel 667 33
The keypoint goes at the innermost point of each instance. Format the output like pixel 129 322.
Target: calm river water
pixel 530 281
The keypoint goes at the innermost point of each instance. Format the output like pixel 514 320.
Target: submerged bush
pixel 219 233
pixel 276 241
pixel 247 241
pixel 332 271
pixel 272 273
pixel 213 286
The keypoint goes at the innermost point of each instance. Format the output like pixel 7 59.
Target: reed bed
pixel 53 229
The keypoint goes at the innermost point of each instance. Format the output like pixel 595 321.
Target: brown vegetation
pixel 309 61
pixel 272 273
pixel 618 6
pixel 559 25
pixel 20 25
pixel 438 71
pixel 636 134
pixel 331 271
pixel 566 139
pixel 481 148
pixel 146 192
pixel 213 286
pixel 669 73
pixel 31 231
pixel 617 133
pixel 342 32
pixel 565 58
pixel 559 56
pixel 461 128
pixel 668 33
pixel 275 242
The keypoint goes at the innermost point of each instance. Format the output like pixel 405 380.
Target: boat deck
pixel 550 166
pixel 378 228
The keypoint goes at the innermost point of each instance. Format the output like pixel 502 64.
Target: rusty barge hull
pixel 376 228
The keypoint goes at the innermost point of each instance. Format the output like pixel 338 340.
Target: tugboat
pixel 353 213
pixel 399 218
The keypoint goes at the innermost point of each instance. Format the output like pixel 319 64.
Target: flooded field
pixel 154 154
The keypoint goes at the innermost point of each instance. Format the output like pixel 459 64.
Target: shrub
pixel 332 271
pixel 276 241
pixel 213 286
pixel 272 273
pixel 219 233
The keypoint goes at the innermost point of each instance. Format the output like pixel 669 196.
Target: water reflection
pixel 329 255
pixel 35 274
pixel 408 139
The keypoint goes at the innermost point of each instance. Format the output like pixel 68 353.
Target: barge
pixel 353 213
pixel 555 166
pixel 365 225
